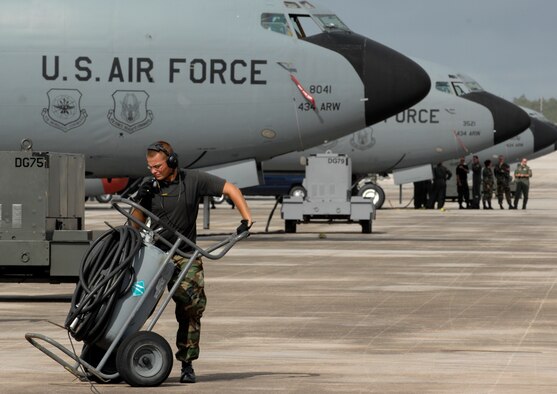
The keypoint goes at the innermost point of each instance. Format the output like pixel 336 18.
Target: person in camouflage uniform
pixel 502 174
pixel 522 176
pixel 487 185
pixel 190 304
pixel 174 196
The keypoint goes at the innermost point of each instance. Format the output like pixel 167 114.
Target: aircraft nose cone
pixel 392 82
pixel 509 120
pixel 545 134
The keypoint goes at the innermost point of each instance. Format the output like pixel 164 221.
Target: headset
pixel 171 158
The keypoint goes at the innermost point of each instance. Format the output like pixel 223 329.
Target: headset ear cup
pixel 172 160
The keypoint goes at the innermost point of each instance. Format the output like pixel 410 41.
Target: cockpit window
pixel 470 83
pixel 536 115
pixel 443 87
pixel 291 4
pixel 307 5
pixel 276 23
pixel 304 25
pixel 474 86
pixel 332 22
pixel 459 88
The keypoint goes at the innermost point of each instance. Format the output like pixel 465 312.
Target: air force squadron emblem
pixel 130 111
pixel 64 111
pixel 363 139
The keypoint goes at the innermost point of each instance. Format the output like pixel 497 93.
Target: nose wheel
pixel 144 359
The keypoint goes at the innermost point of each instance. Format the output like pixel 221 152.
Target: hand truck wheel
pixel 144 359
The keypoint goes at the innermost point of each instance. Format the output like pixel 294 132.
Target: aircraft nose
pixel 545 134
pixel 392 82
pixel 509 120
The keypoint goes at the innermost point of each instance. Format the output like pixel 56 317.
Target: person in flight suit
pixel 487 185
pixel 441 175
pixel 476 182
pixel 174 196
pixel 522 176
pixel 502 172
pixel 462 184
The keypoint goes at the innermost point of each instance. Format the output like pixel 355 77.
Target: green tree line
pixel 546 106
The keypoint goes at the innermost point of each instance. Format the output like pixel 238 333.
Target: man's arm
pixel 238 199
pixel 145 193
pixel 139 216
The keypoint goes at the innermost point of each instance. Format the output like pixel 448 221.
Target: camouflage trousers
pixel 487 191
pixel 190 304
pixel 503 189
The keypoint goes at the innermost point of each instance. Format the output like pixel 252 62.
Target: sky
pixel 508 46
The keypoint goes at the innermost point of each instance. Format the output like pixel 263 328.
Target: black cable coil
pixel 106 274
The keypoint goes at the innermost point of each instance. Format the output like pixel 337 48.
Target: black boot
pixel 187 375
pixel 484 204
pixel 501 205
pixel 489 204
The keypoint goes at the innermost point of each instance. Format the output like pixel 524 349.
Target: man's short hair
pixel 160 146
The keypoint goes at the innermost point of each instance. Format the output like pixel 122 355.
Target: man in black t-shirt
pixel 476 182
pixel 174 196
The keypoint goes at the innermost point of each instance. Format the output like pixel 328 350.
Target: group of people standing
pixel 484 181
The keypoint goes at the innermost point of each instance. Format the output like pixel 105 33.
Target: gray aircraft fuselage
pixel 456 118
pixel 539 139
pixel 223 81
pixel 440 127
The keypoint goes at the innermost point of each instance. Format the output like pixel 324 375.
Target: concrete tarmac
pixel 461 301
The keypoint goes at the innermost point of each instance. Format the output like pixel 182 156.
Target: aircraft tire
pixel 104 198
pixel 218 200
pixel 374 192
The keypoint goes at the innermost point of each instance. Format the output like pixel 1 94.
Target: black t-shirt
pixel 177 202
pixel 462 172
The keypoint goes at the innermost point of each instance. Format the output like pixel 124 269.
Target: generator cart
pixel 328 195
pixel 122 279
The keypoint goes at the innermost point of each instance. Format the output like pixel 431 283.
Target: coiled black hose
pixel 106 273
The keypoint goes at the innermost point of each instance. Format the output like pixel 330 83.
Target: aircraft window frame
pixel 291 4
pixel 459 88
pixel 336 25
pixel 274 26
pixel 473 86
pixel 299 28
pixel 307 5
pixel 444 87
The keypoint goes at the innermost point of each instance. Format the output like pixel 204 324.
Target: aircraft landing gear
pixel 374 192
